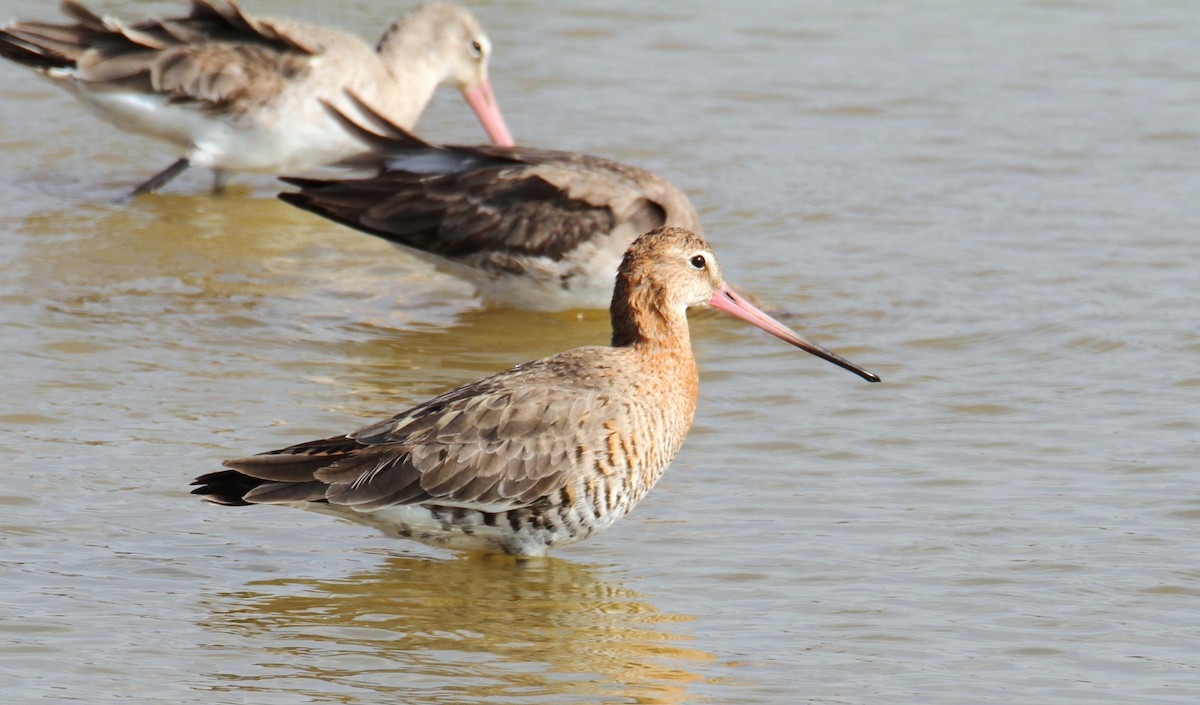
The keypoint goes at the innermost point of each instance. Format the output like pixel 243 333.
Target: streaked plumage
pixel 541 455
pixel 530 228
pixel 245 93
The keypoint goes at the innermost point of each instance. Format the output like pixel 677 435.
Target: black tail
pixel 22 47
pixel 312 201
pixel 226 487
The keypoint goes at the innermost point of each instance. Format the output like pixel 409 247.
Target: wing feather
pixel 500 443
pixel 286 493
pixel 492 205
pixel 216 55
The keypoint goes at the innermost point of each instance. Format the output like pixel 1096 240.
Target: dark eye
pixel 476 48
pixel 698 262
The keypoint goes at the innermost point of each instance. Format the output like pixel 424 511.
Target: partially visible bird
pixel 529 228
pixel 243 93
pixel 541 455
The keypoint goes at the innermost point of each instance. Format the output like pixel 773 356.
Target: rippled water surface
pixel 992 205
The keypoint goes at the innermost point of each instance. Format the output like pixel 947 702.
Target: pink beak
pixel 481 100
pixel 729 301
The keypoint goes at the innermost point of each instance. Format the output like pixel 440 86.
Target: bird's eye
pixel 698 262
pixel 476 48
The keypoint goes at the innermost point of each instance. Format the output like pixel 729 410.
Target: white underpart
pixel 292 132
pixel 291 135
pixel 583 279
pixel 418 522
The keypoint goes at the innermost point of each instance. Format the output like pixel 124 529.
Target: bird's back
pixel 544 454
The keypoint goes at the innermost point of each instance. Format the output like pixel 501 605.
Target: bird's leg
pixel 219 179
pixel 162 178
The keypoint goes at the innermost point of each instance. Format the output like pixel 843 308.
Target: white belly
pixel 281 138
pixel 466 530
pixel 583 281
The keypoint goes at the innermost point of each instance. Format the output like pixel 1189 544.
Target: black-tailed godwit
pixel 541 455
pixel 244 93
pixel 529 228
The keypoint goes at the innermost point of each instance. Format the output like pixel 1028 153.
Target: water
pixel 993 206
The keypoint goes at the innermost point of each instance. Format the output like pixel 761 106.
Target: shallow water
pixel 994 207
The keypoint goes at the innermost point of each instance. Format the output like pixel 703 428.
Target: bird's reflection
pixel 475 629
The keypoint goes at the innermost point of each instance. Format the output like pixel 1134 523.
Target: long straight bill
pixel 481 100
pixel 729 301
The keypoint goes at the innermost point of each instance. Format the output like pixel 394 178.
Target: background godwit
pixel 541 455
pixel 530 228
pixel 243 93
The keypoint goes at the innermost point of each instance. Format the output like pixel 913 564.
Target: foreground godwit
pixel 541 455
pixel 245 93
pixel 529 228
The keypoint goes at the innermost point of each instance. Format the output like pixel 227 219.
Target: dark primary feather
pixel 458 215
pixel 519 202
pixel 209 56
pixel 38 45
pixel 463 202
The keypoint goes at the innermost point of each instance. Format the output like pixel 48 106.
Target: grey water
pixel 992 205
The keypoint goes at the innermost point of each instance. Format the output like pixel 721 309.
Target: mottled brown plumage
pixel 541 455
pixel 530 228
pixel 240 92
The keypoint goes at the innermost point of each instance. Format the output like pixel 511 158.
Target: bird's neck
pixel 414 65
pixel 643 319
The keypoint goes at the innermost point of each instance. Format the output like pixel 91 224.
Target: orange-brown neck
pixel 642 316
pixel 643 321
